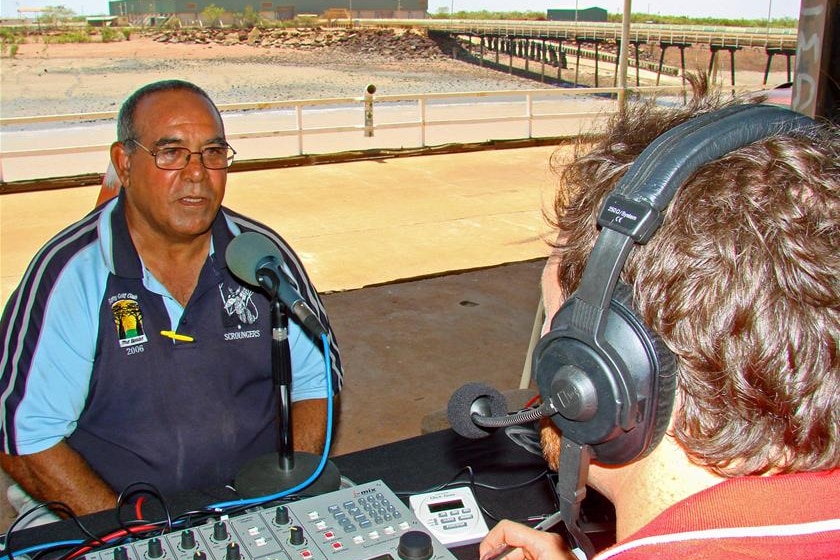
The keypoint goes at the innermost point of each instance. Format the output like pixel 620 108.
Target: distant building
pixel 103 21
pixel 189 11
pixel 587 14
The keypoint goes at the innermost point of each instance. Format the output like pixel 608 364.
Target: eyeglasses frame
pixel 189 156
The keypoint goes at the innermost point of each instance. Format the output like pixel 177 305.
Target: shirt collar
pixel 126 260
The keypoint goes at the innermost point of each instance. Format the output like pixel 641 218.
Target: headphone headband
pixel 635 206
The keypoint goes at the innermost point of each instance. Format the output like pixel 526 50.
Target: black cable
pixel 58 507
pixel 129 528
pixel 143 488
pixel 454 481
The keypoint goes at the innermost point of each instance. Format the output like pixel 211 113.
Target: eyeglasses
pixel 173 159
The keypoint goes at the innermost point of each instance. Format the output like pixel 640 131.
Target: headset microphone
pixel 475 409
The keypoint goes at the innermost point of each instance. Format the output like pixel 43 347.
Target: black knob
pixel 220 532
pixel 187 539
pixel 232 552
pixel 199 555
pixel 296 535
pixel 281 516
pixel 155 548
pixel 415 545
pixel 120 553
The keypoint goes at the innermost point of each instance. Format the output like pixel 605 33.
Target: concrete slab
pixel 354 224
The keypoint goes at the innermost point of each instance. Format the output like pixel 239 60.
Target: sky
pixel 750 9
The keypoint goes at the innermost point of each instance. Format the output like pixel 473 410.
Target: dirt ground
pixel 92 77
pixel 52 78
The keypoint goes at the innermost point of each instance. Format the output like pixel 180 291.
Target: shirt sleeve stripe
pixel 23 317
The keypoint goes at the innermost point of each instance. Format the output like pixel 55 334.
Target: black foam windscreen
pixel 245 252
pixel 474 398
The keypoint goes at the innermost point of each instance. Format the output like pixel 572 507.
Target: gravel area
pixel 60 79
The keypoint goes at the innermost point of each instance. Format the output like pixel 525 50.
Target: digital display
pixel 445 506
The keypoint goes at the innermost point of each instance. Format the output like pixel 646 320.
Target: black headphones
pixel 611 380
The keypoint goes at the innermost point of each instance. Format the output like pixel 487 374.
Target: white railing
pixel 321 126
pixel 568 30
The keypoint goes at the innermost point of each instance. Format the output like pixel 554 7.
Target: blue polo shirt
pixel 83 359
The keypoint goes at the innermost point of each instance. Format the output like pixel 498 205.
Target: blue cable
pixel 44 546
pixel 244 502
pixel 324 455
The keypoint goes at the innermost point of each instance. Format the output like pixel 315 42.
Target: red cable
pixel 534 400
pixel 116 534
pixel 138 507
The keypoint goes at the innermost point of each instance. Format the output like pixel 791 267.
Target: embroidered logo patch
pixel 129 319
pixel 239 307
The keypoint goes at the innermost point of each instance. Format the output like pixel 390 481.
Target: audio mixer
pixel 363 522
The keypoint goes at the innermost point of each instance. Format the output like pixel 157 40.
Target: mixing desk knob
pixel 296 535
pixel 281 516
pixel 120 553
pixel 220 532
pixel 232 552
pixel 199 555
pixel 155 548
pixel 415 545
pixel 187 539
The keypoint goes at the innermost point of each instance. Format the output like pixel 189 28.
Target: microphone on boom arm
pixel 475 409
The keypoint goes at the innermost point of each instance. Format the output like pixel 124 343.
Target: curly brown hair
pixel 742 282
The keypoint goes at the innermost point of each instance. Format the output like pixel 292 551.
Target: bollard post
pixel 369 91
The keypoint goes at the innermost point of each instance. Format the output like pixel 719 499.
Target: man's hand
pixel 60 474
pixel 529 544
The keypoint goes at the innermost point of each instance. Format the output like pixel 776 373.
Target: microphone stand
pixel 287 468
pixel 281 365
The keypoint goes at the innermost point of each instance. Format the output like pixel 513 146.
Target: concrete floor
pixel 408 346
pixel 429 268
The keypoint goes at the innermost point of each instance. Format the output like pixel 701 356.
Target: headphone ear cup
pixel 592 397
pixel 665 383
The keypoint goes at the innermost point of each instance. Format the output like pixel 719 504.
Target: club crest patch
pixel 128 319
pixel 239 307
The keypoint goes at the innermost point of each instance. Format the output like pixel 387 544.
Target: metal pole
pixel 622 67
pixel 769 11
pixel 369 91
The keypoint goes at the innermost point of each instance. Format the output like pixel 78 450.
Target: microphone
pixel 475 407
pixel 253 258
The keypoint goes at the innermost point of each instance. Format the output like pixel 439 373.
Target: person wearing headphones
pixel 742 284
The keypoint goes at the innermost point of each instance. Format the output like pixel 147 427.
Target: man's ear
pixel 121 161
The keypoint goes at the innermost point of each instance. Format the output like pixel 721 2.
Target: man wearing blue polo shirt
pixel 130 353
